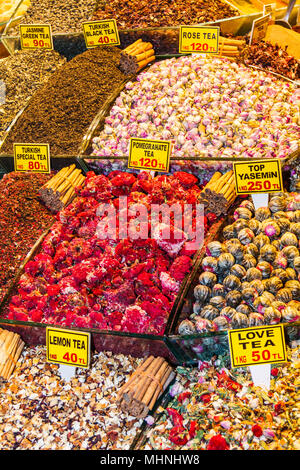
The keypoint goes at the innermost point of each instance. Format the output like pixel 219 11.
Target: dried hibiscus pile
pixel 273 58
pixel 89 275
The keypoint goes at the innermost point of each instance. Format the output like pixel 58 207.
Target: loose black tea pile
pixel 61 111
pixel 64 17
pixel 21 74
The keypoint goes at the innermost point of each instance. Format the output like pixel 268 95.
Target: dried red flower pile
pixel 273 58
pixel 22 220
pixel 82 279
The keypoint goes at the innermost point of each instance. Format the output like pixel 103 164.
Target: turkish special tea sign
pixel 68 347
pixel 201 39
pixel 259 345
pixel 146 154
pixel 101 33
pixel 36 36
pixel 32 157
pixel 257 176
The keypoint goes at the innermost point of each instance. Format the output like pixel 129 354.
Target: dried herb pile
pixel 22 220
pixel 150 13
pixel 22 74
pixel 273 58
pixel 63 16
pixel 61 111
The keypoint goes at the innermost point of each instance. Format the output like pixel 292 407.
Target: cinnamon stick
pixel 155 384
pixel 134 375
pixel 146 380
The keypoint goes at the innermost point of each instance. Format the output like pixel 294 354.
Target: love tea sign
pixel 259 345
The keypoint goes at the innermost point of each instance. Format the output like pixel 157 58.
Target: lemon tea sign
pixel 68 347
pixel 259 345
pixel 32 157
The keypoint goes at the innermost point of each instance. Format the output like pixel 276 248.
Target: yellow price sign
pixel 36 36
pixel 32 157
pixel 146 154
pixel 68 347
pixel 257 345
pixel 201 39
pixel 101 33
pixel 257 176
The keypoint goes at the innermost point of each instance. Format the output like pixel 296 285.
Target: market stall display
pixel 156 268
pixel 23 220
pixel 21 75
pixel 40 411
pixel 60 112
pixel 251 276
pixel 64 17
pixel 209 107
pixel 214 408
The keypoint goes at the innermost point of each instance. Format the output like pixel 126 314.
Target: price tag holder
pixel 258 176
pixel 36 36
pixel 200 39
pixel 32 157
pixel 101 33
pixel 259 28
pixel 68 347
pixel 146 154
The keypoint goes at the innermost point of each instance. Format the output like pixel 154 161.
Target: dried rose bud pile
pixel 216 409
pixel 209 107
pixel 88 276
pixel 23 219
pixel 41 411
